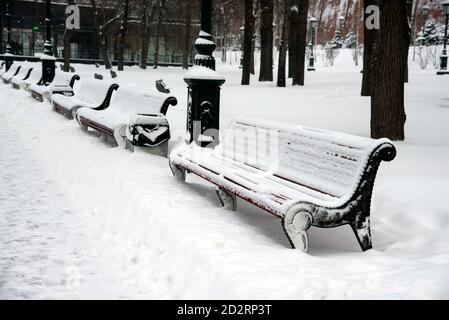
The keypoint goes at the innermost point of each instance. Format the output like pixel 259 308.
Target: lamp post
pixel 48 60
pixel 443 58
pixel 341 21
pixel 204 85
pixel 242 37
pixel 8 56
pixel 313 24
pixel 425 12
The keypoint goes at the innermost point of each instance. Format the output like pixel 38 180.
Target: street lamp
pixel 242 37
pixel 313 24
pixel 425 12
pixel 443 58
pixel 204 85
pixel 339 32
pixel 8 56
pixel 48 60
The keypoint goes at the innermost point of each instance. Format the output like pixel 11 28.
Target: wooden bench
pixel 126 104
pixel 93 94
pixel 62 84
pixel 13 71
pixel 304 176
pixel 33 77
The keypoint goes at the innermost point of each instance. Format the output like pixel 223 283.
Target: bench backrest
pixel 65 78
pixel 96 92
pixel 133 101
pixel 24 71
pixel 327 162
pixel 35 76
pixel 13 70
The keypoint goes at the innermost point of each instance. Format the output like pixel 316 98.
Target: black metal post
pixel 48 48
pixel 444 58
pixel 242 37
pixel 48 60
pixel 8 56
pixel 203 110
pixel 2 49
pixel 312 45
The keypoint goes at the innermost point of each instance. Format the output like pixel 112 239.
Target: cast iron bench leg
pixel 178 172
pixel 362 231
pixel 228 200
pixel 296 223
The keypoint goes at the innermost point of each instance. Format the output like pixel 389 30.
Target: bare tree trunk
pixel 253 59
pixel 387 103
pixel 321 8
pixel 277 14
pixel 224 32
pixel 160 7
pixel 254 36
pixel 144 36
pixel 104 49
pixel 148 17
pixel 187 44
pixel 247 42
pixel 300 54
pixel 67 49
pixel 409 22
pixel 266 41
pixel 122 36
pixel 285 13
pixel 101 36
pixel 2 49
pixel 345 23
pixel 368 45
pixel 292 37
pixel 415 16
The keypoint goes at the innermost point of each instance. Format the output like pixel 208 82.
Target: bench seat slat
pixel 289 188
pixel 261 185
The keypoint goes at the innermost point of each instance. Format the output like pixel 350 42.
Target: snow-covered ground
pixel 79 219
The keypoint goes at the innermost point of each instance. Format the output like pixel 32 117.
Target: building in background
pixel 28 32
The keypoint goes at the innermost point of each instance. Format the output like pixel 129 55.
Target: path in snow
pixel 47 249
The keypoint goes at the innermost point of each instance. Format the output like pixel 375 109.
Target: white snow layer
pixel 79 219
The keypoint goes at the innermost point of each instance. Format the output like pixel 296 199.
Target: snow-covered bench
pixel 34 77
pixel 23 74
pixel 304 176
pixel 129 107
pixel 93 94
pixel 13 71
pixel 62 84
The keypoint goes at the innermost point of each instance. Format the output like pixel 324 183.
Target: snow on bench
pixel 34 77
pixel 23 74
pixel 62 84
pixel 93 94
pixel 2 67
pixel 13 71
pixel 127 104
pixel 306 177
